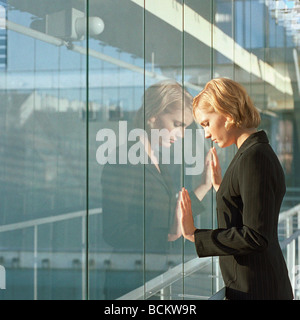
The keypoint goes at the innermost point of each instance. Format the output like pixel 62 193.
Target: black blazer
pixel 248 205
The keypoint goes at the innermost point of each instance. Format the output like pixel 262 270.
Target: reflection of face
pixel 213 124
pixel 174 122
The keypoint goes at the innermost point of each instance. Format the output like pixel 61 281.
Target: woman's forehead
pixel 185 114
pixel 202 114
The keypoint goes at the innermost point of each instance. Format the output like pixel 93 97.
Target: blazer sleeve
pixel 257 180
pixel 197 205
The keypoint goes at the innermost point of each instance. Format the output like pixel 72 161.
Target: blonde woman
pixel 248 197
pixel 139 200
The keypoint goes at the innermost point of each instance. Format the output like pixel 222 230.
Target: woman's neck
pixel 244 134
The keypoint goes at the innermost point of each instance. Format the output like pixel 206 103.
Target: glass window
pixel 98 137
pixel 43 153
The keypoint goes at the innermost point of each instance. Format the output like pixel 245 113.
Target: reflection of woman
pixel 139 200
pixel 248 198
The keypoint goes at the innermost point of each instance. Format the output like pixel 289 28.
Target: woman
pixel 248 197
pixel 139 200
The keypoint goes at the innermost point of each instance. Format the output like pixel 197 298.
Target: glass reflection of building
pixel 51 229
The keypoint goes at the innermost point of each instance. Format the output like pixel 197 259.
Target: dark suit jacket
pixel 248 205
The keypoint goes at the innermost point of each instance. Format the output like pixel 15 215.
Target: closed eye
pixel 179 124
pixel 204 124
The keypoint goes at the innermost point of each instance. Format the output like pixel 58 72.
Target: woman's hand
pixel 175 231
pixel 206 182
pixel 216 172
pixel 186 221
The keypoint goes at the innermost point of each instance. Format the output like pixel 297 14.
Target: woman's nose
pixel 207 133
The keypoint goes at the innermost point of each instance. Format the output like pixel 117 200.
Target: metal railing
pixel 289 232
pixel 162 285
pixel 35 223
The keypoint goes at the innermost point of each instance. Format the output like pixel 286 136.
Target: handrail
pixel 166 279
pixel 291 244
pixel 219 295
pixel 51 219
pixel 37 222
pixel 287 241
pixel 288 213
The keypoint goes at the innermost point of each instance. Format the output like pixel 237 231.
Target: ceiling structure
pixel 126 21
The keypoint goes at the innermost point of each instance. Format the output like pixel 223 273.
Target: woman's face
pixel 171 125
pixel 213 124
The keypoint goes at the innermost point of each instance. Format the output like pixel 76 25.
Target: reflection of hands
pixel 216 172
pixel 187 221
pixel 175 231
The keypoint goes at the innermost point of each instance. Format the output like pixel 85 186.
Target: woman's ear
pixel 229 119
pixel 229 122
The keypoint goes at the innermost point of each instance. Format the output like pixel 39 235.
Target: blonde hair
pixel 228 98
pixel 162 97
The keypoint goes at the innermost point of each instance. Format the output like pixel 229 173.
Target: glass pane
pixel 97 143
pixel 43 151
pixel 165 119
pixel 116 178
pixel 198 66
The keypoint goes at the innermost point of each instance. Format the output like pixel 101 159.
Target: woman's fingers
pixel 185 195
pixel 185 200
pixel 187 222
pixel 215 158
pixel 216 173
pixel 208 158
